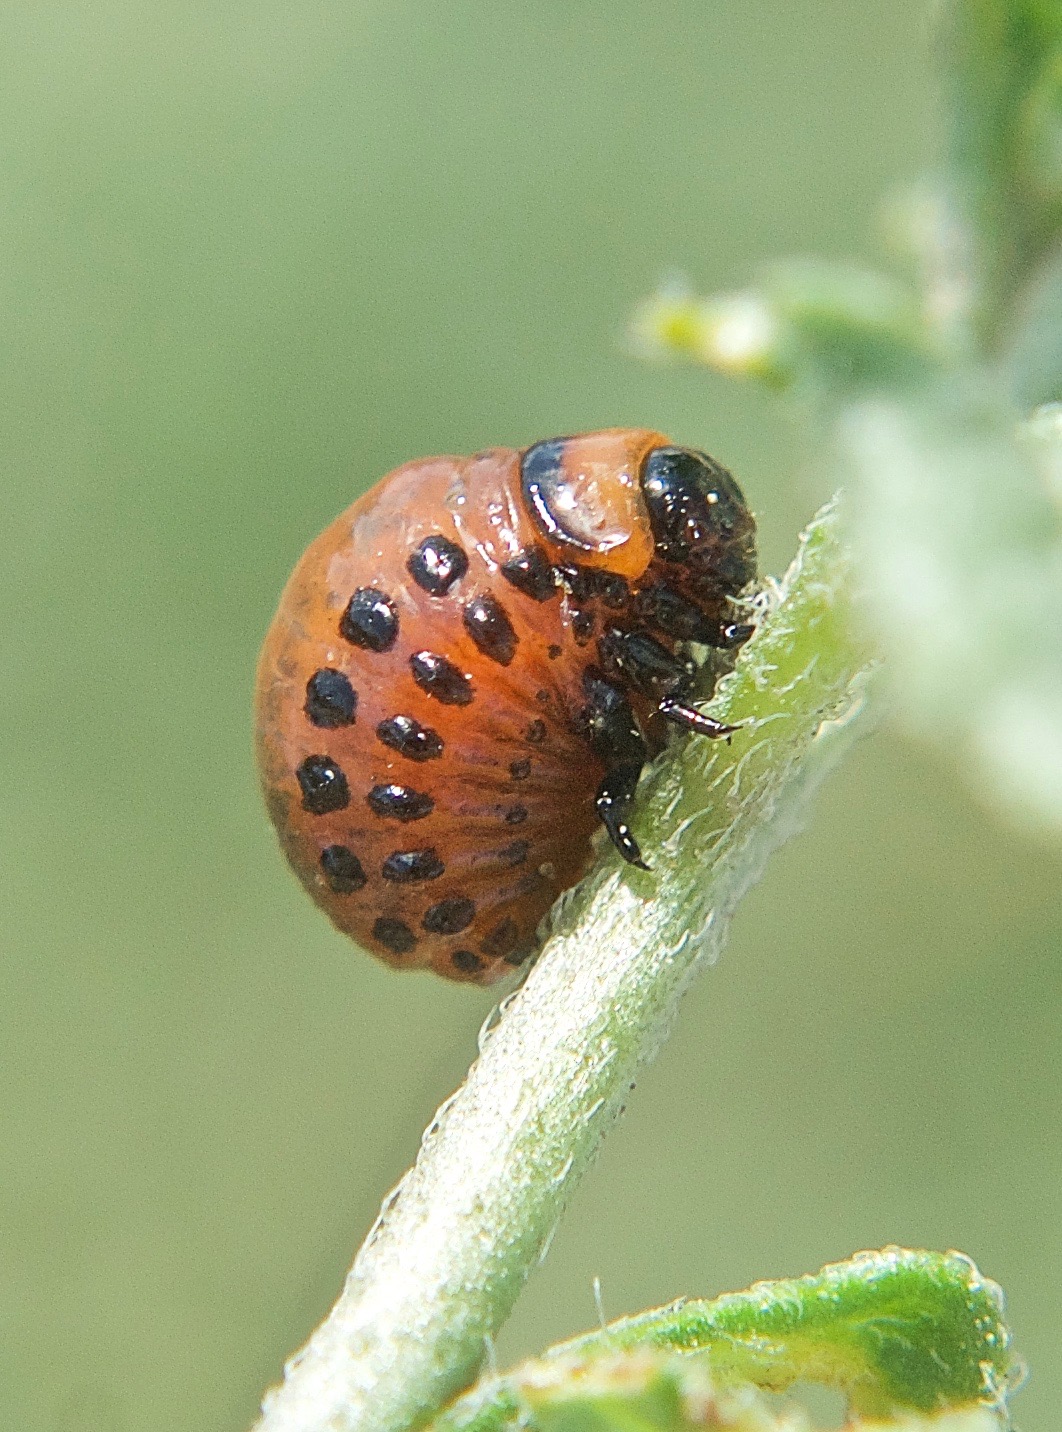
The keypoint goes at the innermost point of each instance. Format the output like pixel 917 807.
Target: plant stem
pixel 441 1270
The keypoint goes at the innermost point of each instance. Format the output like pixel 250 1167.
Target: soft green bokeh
pixel 250 257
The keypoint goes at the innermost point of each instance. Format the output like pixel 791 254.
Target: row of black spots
pixel 325 789
pixel 448 917
pixel 487 622
pixel 331 701
pixel 437 564
pixel 439 678
pixel 370 620
pixel 410 739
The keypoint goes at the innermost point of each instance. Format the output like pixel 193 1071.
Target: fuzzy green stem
pixel 441 1270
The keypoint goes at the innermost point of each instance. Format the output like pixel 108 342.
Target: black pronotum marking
pixel 467 962
pixel 516 815
pixel 324 786
pixel 545 486
pixel 400 802
pixel 370 620
pixel 410 739
pixel 437 564
pixel 530 572
pixel 330 699
pixel 343 870
pixel 395 935
pixel 449 917
pixel 520 770
pixel 407 867
pixel 488 624
pixel 440 678
pixel 536 732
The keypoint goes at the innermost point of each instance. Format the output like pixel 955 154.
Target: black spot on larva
pixel 449 917
pixel 324 786
pixel 520 770
pixel 516 815
pixel 370 620
pixel 395 935
pixel 488 624
pixel 467 962
pixel 410 739
pixel 440 678
pixel 437 564
pixel 343 870
pixel 515 853
pixel 536 732
pixel 542 696
pixel 400 802
pixel 518 956
pixel 553 651
pixel 530 572
pixel 330 699
pixel 501 940
pixel 406 867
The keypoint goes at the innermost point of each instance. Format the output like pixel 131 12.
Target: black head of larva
pixel 699 518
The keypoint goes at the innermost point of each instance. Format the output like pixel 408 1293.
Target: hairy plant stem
pixel 442 1268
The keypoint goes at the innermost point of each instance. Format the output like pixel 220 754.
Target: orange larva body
pixel 458 663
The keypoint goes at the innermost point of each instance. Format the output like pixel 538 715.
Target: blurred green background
pixel 251 257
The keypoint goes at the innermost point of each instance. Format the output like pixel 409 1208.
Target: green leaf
pixel 893 1330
